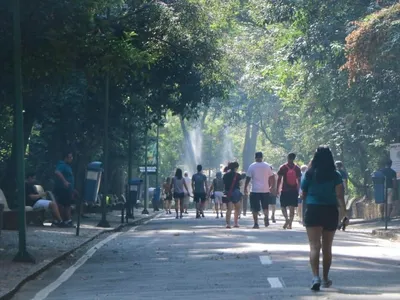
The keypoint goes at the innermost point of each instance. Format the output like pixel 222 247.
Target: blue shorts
pixel 234 198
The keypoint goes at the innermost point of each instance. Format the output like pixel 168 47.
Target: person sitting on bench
pixel 34 199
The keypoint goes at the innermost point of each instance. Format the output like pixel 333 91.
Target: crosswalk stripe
pixel 275 282
pixel 265 260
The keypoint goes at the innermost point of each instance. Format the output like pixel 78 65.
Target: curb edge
pixel 63 256
pixel 384 234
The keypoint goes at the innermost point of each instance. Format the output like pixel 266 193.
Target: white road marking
pixel 45 292
pixel 41 295
pixel 275 282
pixel 265 260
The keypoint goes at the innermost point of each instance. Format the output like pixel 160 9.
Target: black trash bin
pixel 133 194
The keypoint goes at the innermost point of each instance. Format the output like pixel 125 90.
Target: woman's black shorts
pixel 325 216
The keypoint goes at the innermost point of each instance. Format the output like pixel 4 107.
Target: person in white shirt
pixel 263 182
pixel 186 200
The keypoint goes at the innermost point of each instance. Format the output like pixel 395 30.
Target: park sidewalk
pixel 49 245
pixel 376 228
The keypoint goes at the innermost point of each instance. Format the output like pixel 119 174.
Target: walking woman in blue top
pixel 322 189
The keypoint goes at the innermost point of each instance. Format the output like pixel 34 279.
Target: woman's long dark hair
pixel 322 165
pixel 233 165
pixel 178 174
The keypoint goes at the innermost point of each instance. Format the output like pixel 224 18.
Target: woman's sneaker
pixel 326 283
pixel 316 283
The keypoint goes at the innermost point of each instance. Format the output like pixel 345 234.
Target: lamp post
pixel 157 191
pixel 103 222
pixel 130 205
pixel 22 255
pixel 158 155
pixel 146 188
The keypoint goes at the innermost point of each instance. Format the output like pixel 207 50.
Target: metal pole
pixel 22 255
pixel 146 188
pixel 386 204
pixel 158 200
pixel 131 205
pixel 104 223
pixel 79 211
pixel 158 155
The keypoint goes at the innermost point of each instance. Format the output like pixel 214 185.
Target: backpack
pixel 291 176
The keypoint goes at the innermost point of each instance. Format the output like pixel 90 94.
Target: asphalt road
pixel 200 259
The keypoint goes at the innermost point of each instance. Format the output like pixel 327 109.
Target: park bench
pixel 10 216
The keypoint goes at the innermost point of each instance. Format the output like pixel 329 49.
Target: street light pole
pixel 157 191
pixel 22 255
pixel 158 155
pixel 131 203
pixel 104 223
pixel 146 188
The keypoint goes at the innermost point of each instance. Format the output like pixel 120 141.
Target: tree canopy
pixel 222 78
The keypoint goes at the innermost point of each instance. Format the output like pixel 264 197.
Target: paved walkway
pixel 47 244
pixel 200 259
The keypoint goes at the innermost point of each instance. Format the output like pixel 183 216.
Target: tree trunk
pixel 188 147
pixel 363 163
pixel 203 119
pixel 250 142
pixel 8 183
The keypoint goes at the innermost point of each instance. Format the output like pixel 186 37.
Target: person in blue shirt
pixel 322 189
pixel 64 187
pixel 391 191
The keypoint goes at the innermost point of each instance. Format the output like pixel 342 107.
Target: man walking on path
pixel 64 187
pixel 200 188
pixel 291 174
pixel 186 200
pixel 345 177
pixel 262 182
pixel 391 183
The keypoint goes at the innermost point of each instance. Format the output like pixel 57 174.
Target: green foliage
pixel 159 57
pixel 315 104
pixel 263 75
